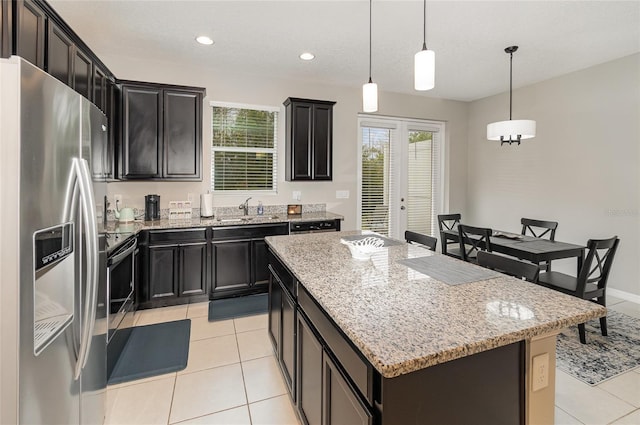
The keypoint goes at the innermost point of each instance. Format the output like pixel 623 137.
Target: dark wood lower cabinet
pixel 193 266
pixel 309 374
pixel 275 312
pixel 341 405
pixel 162 272
pixel 231 267
pixel 175 267
pixel 288 341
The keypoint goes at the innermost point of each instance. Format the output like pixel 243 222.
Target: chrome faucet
pixel 245 206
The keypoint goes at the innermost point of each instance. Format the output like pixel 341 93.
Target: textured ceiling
pixel 266 37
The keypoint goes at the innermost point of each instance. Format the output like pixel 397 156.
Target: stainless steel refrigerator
pixel 53 343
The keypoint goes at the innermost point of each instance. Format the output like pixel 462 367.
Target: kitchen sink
pixel 245 218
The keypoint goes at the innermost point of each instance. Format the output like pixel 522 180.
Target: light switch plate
pixel 342 194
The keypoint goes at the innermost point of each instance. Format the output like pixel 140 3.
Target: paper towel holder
pixel 206 205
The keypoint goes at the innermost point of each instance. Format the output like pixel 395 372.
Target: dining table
pixel 526 247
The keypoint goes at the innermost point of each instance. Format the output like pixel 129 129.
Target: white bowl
pixel 362 249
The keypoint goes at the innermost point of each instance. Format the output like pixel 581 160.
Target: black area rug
pixel 229 308
pixel 153 350
pixel 602 357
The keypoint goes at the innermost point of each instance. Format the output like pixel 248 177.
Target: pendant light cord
pixel 424 38
pixel 510 83
pixel 370 4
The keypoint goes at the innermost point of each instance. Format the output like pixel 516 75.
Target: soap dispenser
pixel 260 208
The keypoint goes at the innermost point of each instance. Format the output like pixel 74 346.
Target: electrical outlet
pixel 296 195
pixel 540 372
pixel 342 194
pixel 117 201
pixel 190 197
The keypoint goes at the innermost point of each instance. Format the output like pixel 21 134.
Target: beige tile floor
pixel 232 378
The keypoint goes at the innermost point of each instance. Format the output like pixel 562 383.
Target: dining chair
pixel 540 229
pixel 428 241
pixel 591 283
pixel 449 222
pixel 509 265
pixel 469 247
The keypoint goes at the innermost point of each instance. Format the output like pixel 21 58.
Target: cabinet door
pixel 309 375
pixel 260 262
pixel 182 135
pixel 163 272
pixel 322 142
pixel 288 341
pixel 82 74
pixel 301 122
pixel 341 405
pixel 110 104
pixel 100 88
pixel 30 36
pixel 59 54
pixel 231 266
pixel 275 312
pixel 141 148
pixel 193 269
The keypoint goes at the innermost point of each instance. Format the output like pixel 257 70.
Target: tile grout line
pixel 244 383
pixel 568 414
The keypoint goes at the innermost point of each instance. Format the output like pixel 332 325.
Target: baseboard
pixel 627 296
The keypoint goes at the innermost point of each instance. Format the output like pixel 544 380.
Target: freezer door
pixel 49 133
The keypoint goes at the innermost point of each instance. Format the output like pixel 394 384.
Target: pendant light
pixel 511 131
pixel 424 64
pixel 370 89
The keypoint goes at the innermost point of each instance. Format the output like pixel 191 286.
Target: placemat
pixel 387 241
pixel 448 270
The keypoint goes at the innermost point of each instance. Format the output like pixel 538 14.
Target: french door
pixel 400 175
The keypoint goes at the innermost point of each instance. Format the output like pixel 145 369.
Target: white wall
pixel 582 168
pixel 251 90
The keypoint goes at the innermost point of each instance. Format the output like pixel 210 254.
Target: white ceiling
pixel 266 37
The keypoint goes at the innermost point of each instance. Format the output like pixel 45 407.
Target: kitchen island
pixel 397 346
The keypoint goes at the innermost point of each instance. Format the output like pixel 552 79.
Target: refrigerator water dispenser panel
pixel 53 284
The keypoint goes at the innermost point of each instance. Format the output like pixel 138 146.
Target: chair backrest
pixel 509 265
pixel 426 240
pixel 597 264
pixel 469 246
pixel 539 228
pixel 448 221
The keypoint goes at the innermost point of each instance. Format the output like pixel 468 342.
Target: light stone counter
pixel 403 321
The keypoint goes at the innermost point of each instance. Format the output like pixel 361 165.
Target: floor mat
pixel 153 350
pixel 602 357
pixel 229 308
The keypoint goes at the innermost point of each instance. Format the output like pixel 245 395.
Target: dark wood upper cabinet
pixel 161 132
pixel 30 38
pixel 82 74
pixel 59 55
pixel 6 28
pixel 100 88
pixel 141 150
pixel 182 134
pixel 309 139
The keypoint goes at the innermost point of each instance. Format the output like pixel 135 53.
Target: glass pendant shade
pixel 370 97
pixel 511 130
pixel 424 70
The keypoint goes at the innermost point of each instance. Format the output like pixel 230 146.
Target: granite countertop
pixel 402 320
pixel 125 229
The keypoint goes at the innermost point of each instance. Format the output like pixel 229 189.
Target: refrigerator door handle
pixel 81 182
pixel 91 232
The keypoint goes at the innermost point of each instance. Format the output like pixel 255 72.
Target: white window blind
pixel 243 148
pixel 376 184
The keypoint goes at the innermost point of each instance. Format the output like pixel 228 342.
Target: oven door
pixel 120 284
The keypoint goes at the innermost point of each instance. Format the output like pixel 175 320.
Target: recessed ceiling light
pixel 203 39
pixel 306 56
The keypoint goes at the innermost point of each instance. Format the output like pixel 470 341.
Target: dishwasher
pixel 316 226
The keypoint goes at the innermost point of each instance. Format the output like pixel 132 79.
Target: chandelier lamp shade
pixel 370 89
pixel 511 131
pixel 424 63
